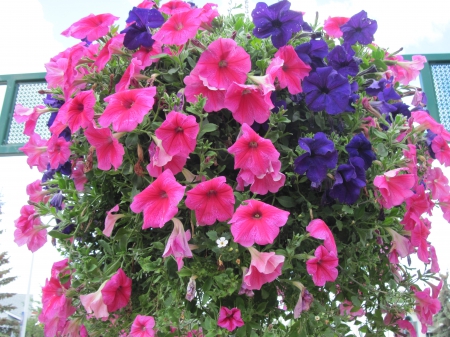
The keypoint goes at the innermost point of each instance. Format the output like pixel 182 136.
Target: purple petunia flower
pixel 56 201
pixel 277 21
pixel 313 52
pixel 327 90
pixel 53 102
pixel 359 29
pixel 343 60
pixel 138 34
pixel 321 156
pixel 360 147
pixel 350 178
pixel 430 136
pixel 383 89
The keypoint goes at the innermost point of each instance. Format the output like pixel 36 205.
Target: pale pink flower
pixel 322 267
pixel 36 151
pixel 91 27
pixel 195 85
pixel 394 188
pixel 177 245
pixel 441 150
pixel 304 300
pixel 264 268
pixel 159 200
pixel 223 63
pixel 117 291
pixel 257 222
pixel 401 246
pixel 74 328
pixel 78 176
pixel 290 71
pixel 253 152
pixel 179 28
pixel 58 150
pixel 174 7
pixel 247 103
pixel 78 112
pixel 113 46
pixel 230 319
pixel 30 229
pixel 126 109
pixel 56 73
pixel 111 219
pixel 178 133
pixel 109 151
pixel 437 183
pixel 93 303
pixel 212 200
pixel 28 116
pixel 143 326
pixel 411 160
pixel 406 71
pixel 332 26
pixel 427 122
pixel 35 192
pixel 434 260
pixel 318 229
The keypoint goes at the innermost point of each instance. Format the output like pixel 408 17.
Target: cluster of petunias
pixel 216 122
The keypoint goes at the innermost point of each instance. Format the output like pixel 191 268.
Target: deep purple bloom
pixel 276 20
pixel 48 175
pixel 354 96
pixel 326 90
pixel 430 136
pixel 313 52
pixel 65 168
pixel 383 89
pixel 360 147
pixel 359 29
pixel 343 60
pixel 56 201
pixel 53 102
pixel 350 178
pixel 321 156
pixel 138 34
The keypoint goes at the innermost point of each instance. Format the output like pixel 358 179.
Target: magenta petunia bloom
pixel 401 246
pixel 437 183
pixel 223 63
pixel 126 109
pixel 117 291
pixel 159 200
pixel 29 116
pixel 322 267
pixel 318 229
pixel 271 181
pixel 111 219
pixel 247 103
pixel 144 54
pixel 406 71
pixel 332 26
pixel 394 188
pixel 290 71
pixel 78 112
pixel 91 27
pixel 212 200
pixel 230 319
pixel 253 152
pixel 174 7
pixel 113 46
pixel 179 28
pixel 178 134
pixel 160 160
pixel 196 85
pixel 78 176
pixel 257 222
pixel 29 229
pixel 177 245
pixel 143 326
pixel 58 150
pixel 109 151
pixel 264 268
pixel 419 237
pixel 441 150
pixel 345 309
pixel 35 192
pixel 133 69
pixel 426 307
pixel 36 151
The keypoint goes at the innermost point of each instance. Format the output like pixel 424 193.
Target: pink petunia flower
pixel 159 200
pixel 244 289
pixel 345 309
pixel 437 183
pixel 271 181
pixel 74 328
pixel 253 152
pixel 318 229
pixel 290 71
pixel 195 85
pixel 257 222
pixel 78 176
pixel 174 7
pixel 441 150
pixel 401 246
pixel 30 229
pixel 209 12
pixel 304 300
pixel 434 260
pixel 91 27
pixel 212 200
pixel 179 28
pixel 427 122
pixel 178 134
pixel 111 219
pixel 126 109
pixel 58 150
pixel 419 237
pixel 177 245
pixel 230 319
pixel 28 116
pixel 109 150
pixel 332 26
pixel 160 160
pixel 117 291
pixel 56 73
pixel 35 192
pixel 143 326
pixel 406 71
pixel 129 76
pixel 145 54
pixel 36 151
pixel 78 112
pixel 322 267
pixel 93 303
pixel 420 202
pixel 223 63
pixel 247 103
pixel 394 188
pixel 426 307
pixel 264 268
pixel 113 46
pixel 61 269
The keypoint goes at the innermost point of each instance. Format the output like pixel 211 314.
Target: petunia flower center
pixel 179 129
pixel 128 104
pixel 179 26
pixel 80 107
pixel 223 64
pixel 325 90
pixel 277 23
pixel 212 193
pixel 257 215
pixel 163 194
pixel 246 91
pixel 253 145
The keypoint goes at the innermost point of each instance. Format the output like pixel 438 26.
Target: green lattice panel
pixel 441 81
pixel 28 96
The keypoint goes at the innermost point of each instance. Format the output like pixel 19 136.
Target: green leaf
pixel 347 209
pixel 132 140
pixel 212 235
pixel 158 245
pixel 207 127
pixel 159 56
pixel 286 201
pixel 185 272
pixel 59 235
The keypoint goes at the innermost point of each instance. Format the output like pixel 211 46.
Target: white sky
pixel 29 36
